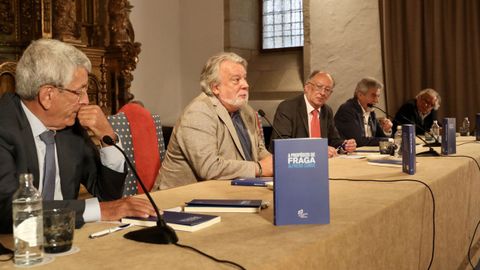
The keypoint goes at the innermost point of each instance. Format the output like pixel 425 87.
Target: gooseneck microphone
pixel 264 116
pixel 160 234
pixel 431 151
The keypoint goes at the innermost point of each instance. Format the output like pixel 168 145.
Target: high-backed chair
pixel 7 77
pixel 142 140
pixel 260 127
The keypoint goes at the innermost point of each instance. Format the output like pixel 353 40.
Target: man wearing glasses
pixel 43 131
pixel 421 111
pixel 307 115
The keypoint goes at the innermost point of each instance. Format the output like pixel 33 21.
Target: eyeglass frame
pixel 322 88
pixel 426 102
pixel 78 92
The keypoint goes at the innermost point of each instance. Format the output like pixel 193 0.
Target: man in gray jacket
pixel 218 134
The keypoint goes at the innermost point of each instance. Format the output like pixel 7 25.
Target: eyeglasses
pixel 80 92
pixel 321 88
pixel 429 103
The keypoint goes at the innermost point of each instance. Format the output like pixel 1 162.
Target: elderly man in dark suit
pixel 355 119
pixel 307 115
pixel 51 98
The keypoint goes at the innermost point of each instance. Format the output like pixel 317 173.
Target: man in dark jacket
pixel 51 97
pixel 307 115
pixel 357 119
pixel 421 111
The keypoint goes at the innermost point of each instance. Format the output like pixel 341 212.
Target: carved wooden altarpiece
pixel 100 28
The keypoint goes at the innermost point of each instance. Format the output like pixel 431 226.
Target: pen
pixel 109 231
pixel 341 148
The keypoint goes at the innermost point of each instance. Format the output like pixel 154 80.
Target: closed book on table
pixel 223 205
pixel 256 181
pixel 301 190
pixel 179 221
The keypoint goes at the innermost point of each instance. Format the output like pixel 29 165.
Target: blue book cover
pixel 180 221
pixel 408 149
pixel 225 202
pixel 477 128
pixel 224 205
pixel 257 181
pixel 301 190
pixel 449 136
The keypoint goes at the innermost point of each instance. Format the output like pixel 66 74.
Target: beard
pixel 236 102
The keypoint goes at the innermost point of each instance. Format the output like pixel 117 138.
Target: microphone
pixel 262 114
pixel 431 151
pixel 160 234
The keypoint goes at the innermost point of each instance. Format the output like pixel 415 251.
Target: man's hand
pixel 386 125
pixel 267 166
pixel 350 145
pixel 332 152
pixel 92 118
pixel 126 207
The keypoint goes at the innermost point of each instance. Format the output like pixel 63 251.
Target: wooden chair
pixel 7 77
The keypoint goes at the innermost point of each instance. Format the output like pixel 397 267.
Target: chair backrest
pixel 260 127
pixel 7 77
pixel 121 127
pixel 142 140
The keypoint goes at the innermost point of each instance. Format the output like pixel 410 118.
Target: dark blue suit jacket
pixel 349 122
pixel 78 162
pixel 291 121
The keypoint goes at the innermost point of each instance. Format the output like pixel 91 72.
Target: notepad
pixel 179 221
pixel 385 160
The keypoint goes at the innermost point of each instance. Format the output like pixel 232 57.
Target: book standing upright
pixel 301 189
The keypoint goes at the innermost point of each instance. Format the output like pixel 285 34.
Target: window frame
pixel 284 49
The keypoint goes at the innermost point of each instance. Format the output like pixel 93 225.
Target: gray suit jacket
pixel 204 145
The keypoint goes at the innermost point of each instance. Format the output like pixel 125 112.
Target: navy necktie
pixel 242 135
pixel 49 168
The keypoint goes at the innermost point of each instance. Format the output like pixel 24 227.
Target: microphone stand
pixel 262 114
pixel 430 152
pixel 160 234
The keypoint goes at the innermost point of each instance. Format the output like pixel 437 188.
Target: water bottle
pixel 435 130
pixel 27 223
pixel 397 140
pixel 465 130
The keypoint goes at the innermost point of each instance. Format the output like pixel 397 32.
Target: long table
pixel 374 225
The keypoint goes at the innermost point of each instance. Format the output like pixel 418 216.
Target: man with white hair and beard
pixel 218 134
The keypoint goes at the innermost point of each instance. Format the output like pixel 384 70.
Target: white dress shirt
pixel 110 157
pixel 310 115
pixel 366 118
